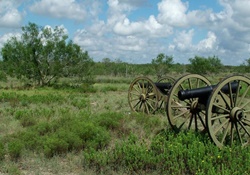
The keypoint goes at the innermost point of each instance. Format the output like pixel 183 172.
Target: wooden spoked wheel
pixel 228 112
pixel 142 96
pixel 187 114
pixel 163 98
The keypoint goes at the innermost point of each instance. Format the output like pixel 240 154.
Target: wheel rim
pixel 228 114
pixel 142 96
pixel 187 114
pixel 162 99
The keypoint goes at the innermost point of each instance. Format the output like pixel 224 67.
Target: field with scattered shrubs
pixel 90 129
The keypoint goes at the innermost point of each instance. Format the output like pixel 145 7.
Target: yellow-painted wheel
pixel 186 114
pixel 142 96
pixel 228 112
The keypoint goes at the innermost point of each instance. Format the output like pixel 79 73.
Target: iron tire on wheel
pixel 142 96
pixel 228 114
pixel 182 115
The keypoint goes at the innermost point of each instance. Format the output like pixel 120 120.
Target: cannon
pixel 147 96
pixel 222 110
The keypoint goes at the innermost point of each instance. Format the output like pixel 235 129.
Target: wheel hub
pixel 143 97
pixel 193 106
pixel 236 114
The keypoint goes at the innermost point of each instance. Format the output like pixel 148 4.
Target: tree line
pixel 43 55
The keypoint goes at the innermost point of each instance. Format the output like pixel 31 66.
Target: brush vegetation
pixel 91 130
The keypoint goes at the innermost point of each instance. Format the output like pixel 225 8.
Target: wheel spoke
pixel 238 133
pixel 190 84
pixel 150 105
pixel 237 93
pixel 244 128
pixel 224 98
pixel 231 95
pixel 219 127
pixel 143 86
pixel 181 114
pixel 221 107
pixel 180 107
pixel 139 86
pixel 203 123
pixel 232 133
pixel 196 122
pixel 197 83
pixel 147 105
pixel 219 117
pixel 243 96
pixel 225 133
pixel 246 121
pixel 136 104
pixel 245 104
pixel 185 120
pixel 190 122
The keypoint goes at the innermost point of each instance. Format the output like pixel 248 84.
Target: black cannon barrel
pixel 204 91
pixel 163 87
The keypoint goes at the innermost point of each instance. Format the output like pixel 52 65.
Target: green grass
pixel 68 131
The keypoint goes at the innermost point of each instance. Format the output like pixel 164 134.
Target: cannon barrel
pixel 163 85
pixel 160 85
pixel 204 92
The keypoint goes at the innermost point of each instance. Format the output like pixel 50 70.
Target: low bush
pixel 15 148
pixel 2 151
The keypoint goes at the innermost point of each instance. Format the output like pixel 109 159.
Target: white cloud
pixel 172 12
pixel 126 28
pixel 9 15
pixel 4 38
pixel 56 8
pixel 183 41
pixel 121 29
pixel 208 44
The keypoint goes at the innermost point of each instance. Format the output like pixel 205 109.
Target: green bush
pixel 109 88
pixel 80 103
pixel 74 141
pixel 15 148
pixel 54 145
pixel 168 153
pixel 31 139
pixel 109 120
pixel 2 151
pixel 26 117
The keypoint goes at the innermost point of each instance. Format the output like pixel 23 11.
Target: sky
pixel 136 31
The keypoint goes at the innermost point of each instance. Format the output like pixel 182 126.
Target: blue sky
pixel 136 31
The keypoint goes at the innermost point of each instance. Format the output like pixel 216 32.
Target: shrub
pixel 15 148
pixel 54 145
pixel 2 151
pixel 109 120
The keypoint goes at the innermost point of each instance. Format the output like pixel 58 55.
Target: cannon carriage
pixel 222 110
pixel 147 96
pixel 192 103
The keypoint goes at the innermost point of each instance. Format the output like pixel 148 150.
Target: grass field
pixel 92 130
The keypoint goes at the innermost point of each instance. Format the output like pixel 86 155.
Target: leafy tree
pixel 3 76
pixel 201 65
pixel 42 55
pixel 162 64
pixel 245 67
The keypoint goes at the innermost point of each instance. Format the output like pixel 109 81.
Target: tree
pixel 245 67
pixel 162 64
pixel 3 76
pixel 43 54
pixel 201 65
